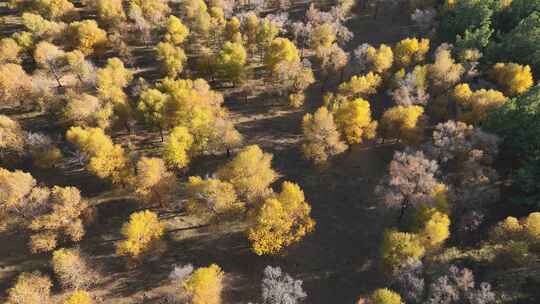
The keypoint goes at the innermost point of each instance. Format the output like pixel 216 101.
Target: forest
pixel 269 151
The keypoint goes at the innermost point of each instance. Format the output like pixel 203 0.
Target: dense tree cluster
pixel 158 100
pixel 49 214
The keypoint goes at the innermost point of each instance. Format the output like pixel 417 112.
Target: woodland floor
pixel 337 262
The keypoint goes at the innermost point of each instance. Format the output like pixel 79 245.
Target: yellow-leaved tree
pixel 513 229
pixel 321 137
pixel 15 84
pixel 385 296
pixel 78 297
pixel 172 58
pixel 105 159
pixel 152 10
pixel 433 227
pixel 152 105
pixel 280 221
pixel 403 123
pixel 204 285
pixel 30 288
pixel 194 105
pixel 113 75
pixel 250 172
pixel 353 118
pixel 86 110
pixel 176 151
pixel 111 81
pixel 232 60
pixel 64 219
pixel 110 12
pixel 50 214
pixel 398 247
pixel 212 198
pixel 411 50
pixel 512 77
pixel 251 27
pixel 177 32
pixel 71 269
pixel 532 226
pixel 142 233
pixel 13 139
pixel 53 9
pixel 232 29
pixel 154 183
pixel 41 27
pixel 280 50
pixel 86 36
pixel 361 86
pixel 381 59
pixel 474 106
pixel 266 34
pixel 322 36
pixel 444 72
pixel 9 51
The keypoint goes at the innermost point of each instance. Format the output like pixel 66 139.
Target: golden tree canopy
pixel 204 285
pixel 398 247
pixel 380 59
pixel 211 197
pixel 78 297
pixel 402 122
pixel 280 221
pixel 474 106
pixel 141 233
pixel 281 49
pixel 250 172
pixel 361 86
pixel 411 50
pixel 87 36
pixel 177 32
pixel 106 159
pixel 176 151
pixel 321 137
pixel 12 139
pixel 30 288
pixel 515 79
pixel 153 182
pixel 353 118
pixel 385 296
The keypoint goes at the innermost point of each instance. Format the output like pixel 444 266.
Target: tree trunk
pixel 53 70
pixel 404 207
pixel 161 133
pixel 126 125
pixel 323 83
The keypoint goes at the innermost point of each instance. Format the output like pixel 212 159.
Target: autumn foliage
pixel 280 221
pixel 141 234
pixel 204 285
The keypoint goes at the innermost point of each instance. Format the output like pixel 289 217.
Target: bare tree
pixel 280 288
pixel 466 154
pixel 458 286
pixel 409 92
pixel 410 181
pixel 410 282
